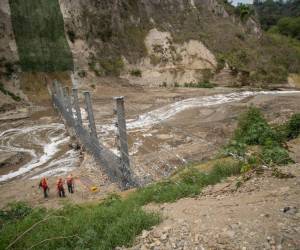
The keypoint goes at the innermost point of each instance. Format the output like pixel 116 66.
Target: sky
pixel 235 2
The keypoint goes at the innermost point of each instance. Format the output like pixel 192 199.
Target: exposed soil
pixel 264 213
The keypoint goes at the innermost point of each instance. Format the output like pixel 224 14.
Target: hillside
pixel 146 42
pixel 176 120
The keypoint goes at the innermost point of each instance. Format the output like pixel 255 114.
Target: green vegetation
pixel 71 35
pixel 6 92
pixel 112 223
pixel 15 212
pixel 292 128
pixel 289 26
pixel 136 72
pixel 282 54
pixel 111 66
pixel 244 11
pixel 271 11
pixel 39 30
pixel 280 16
pixel 254 131
pixel 102 226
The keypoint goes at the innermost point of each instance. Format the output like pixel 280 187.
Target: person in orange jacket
pixel 70 184
pixel 60 187
pixel 44 185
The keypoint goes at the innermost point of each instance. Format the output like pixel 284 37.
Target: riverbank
pixel 167 128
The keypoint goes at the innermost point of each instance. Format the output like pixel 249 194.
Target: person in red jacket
pixel 70 184
pixel 44 185
pixel 60 187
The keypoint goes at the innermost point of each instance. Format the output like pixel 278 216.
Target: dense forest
pixel 279 16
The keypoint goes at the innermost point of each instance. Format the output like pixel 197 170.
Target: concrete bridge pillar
pixel 90 113
pixel 60 93
pixel 122 134
pixel 76 106
pixel 67 99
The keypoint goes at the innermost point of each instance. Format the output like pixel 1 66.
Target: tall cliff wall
pixel 149 42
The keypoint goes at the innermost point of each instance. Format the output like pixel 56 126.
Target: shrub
pixel 235 148
pixel 71 35
pixel 274 154
pixel 253 129
pixel 15 211
pixel 289 26
pixel 82 73
pixel 293 127
pixel 6 92
pixel 136 72
pixel 112 66
pixel 9 68
pixel 244 11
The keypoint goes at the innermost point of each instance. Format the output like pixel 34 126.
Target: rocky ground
pixel 263 213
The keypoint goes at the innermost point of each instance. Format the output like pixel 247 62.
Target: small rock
pixel 230 233
pixel 144 234
pixel 286 209
pixel 156 234
pixel 164 237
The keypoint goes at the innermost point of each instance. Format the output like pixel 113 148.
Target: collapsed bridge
pixel 117 168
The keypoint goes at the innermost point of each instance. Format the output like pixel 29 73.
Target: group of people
pixel 59 186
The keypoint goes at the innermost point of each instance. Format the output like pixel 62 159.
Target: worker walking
pixel 60 188
pixel 44 185
pixel 70 184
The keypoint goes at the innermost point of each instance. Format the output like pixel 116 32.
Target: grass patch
pixel 114 222
pixel 39 30
pixel 6 92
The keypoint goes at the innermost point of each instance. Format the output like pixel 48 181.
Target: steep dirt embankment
pixel 147 42
pixel 263 213
pixel 154 42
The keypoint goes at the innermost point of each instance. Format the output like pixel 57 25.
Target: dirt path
pixel 264 213
pixel 91 185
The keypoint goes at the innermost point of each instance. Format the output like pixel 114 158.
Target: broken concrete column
pixel 121 124
pixel 67 98
pixel 90 113
pixel 54 88
pixel 60 93
pixel 76 106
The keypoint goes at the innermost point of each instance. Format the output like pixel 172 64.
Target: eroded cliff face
pixel 8 47
pixel 167 41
